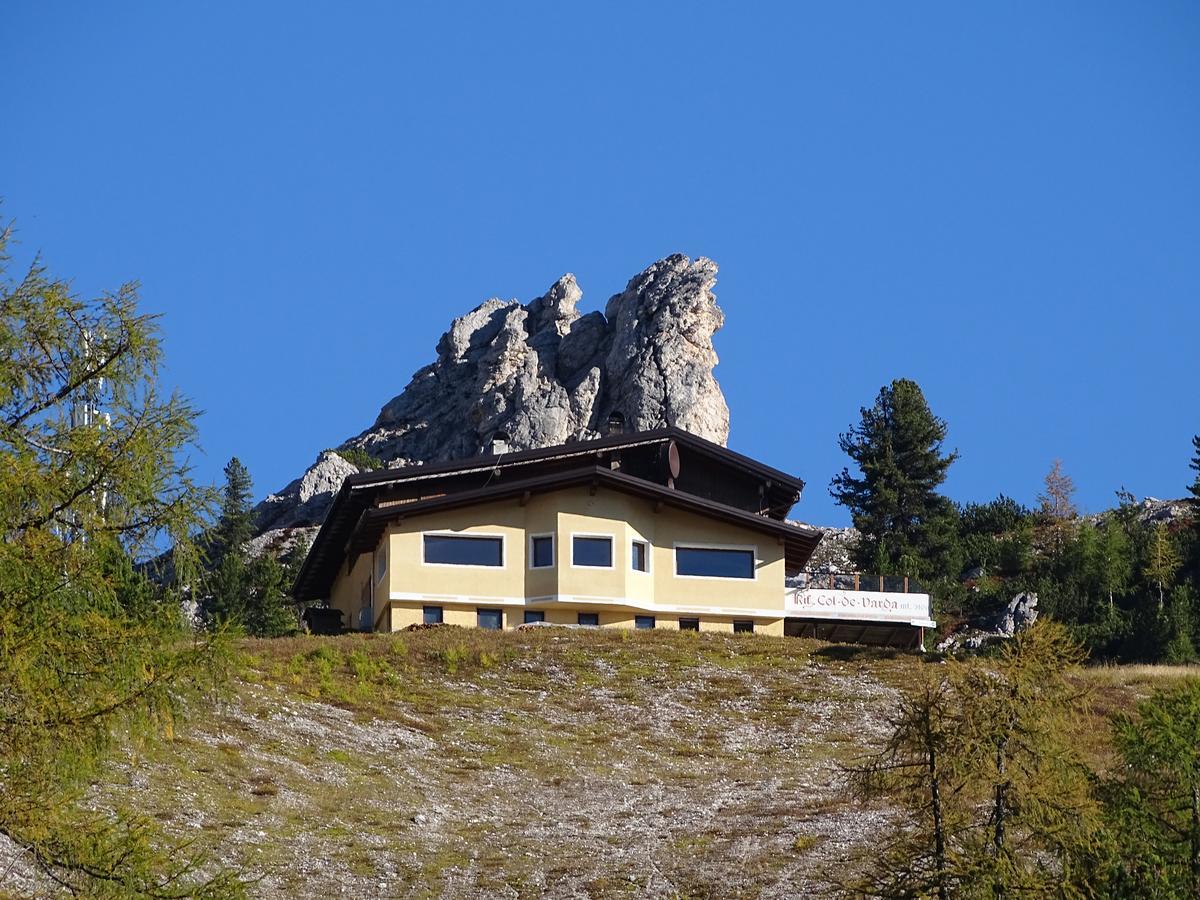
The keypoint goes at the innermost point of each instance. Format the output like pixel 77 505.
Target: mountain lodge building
pixel 654 529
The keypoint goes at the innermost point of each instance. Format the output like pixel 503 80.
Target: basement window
pixel 639 556
pixel 594 552
pixel 592 620
pixel 463 550
pixel 689 624
pixel 491 619
pixel 643 621
pixel 713 562
pixel 743 626
pixel 431 615
pixel 541 551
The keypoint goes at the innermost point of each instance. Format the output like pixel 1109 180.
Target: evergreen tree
pixel 905 526
pixel 1155 804
pixel 1163 562
pixel 248 592
pixel 93 478
pixel 228 588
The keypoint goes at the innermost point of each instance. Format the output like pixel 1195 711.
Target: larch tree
pixel 1155 800
pixel 905 526
pixel 94 481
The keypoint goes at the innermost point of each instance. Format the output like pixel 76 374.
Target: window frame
pixel 645 556
pixel 441 615
pixel 538 614
pixel 638 626
pixel 483 535
pixel 553 550
pixel 690 620
pixel 594 535
pixel 698 545
pixel 489 609
pixel 381 558
pixel 743 629
pixel 580 615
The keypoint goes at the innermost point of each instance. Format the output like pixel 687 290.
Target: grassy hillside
pixel 554 762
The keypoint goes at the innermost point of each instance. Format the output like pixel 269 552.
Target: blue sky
pixel 1001 201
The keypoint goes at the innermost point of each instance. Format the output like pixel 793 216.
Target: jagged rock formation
pixel 542 374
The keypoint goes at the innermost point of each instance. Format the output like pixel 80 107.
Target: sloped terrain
pixel 545 762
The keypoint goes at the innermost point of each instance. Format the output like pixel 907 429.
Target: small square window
pixel 743 626
pixel 541 551
pixel 589 619
pixel 643 621
pixel 592 551
pixel 431 615
pixel 491 619
pixel 639 556
pixel 534 615
pixel 689 624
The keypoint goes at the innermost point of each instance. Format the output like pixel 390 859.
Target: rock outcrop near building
pixel 540 374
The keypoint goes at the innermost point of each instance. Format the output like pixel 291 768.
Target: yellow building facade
pixel 604 533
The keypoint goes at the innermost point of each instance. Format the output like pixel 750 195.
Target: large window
pixel 591 551
pixel 464 550
pixel 639 556
pixel 491 619
pixel 541 551
pixel 710 562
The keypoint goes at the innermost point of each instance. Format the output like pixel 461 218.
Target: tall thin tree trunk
pixel 998 815
pixel 939 831
pixel 1196 839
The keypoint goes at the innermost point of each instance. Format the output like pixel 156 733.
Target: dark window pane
pixel 592 619
pixel 534 615
pixel 742 626
pixel 464 551
pixel 543 552
pixel 639 556
pixel 714 563
pixel 590 551
pixel 492 619
pixel 644 621
pixel 689 624
pixel 431 615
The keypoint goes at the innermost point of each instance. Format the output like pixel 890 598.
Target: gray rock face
pixel 542 374
pixel 305 501
pixel 1020 613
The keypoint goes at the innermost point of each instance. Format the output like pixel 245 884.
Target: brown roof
pixel 364 506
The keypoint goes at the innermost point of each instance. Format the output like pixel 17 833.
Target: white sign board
pixel 861 606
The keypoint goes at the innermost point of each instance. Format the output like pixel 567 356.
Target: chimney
pixel 499 443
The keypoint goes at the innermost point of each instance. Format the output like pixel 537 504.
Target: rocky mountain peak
pixel 543 374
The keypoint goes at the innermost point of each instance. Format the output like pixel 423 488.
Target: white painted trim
pixel 553 551
pixel 612 547
pixel 585 600
pixel 466 534
pixel 700 545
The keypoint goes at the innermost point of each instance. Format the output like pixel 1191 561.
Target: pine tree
pixel 228 588
pixel 905 526
pixel 1155 804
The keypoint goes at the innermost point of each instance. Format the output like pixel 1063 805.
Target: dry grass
pixel 551 762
